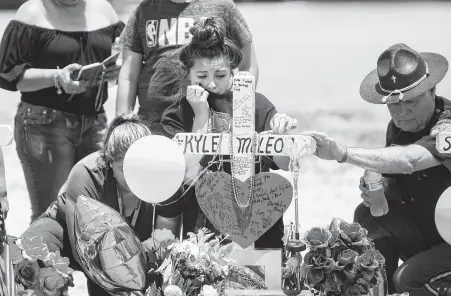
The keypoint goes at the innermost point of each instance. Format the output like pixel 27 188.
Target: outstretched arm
pixel 389 160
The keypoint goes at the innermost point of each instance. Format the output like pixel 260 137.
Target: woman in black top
pixel 210 59
pixel 58 120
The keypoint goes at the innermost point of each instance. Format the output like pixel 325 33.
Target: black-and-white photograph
pixel 225 147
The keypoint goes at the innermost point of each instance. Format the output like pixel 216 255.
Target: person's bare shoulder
pixel 30 12
pixel 106 8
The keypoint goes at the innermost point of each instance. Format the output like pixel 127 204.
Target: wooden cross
pixel 218 194
pixel 243 128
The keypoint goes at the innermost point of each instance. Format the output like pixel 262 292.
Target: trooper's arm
pixel 392 160
pixel 388 160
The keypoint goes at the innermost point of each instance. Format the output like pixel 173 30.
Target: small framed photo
pixel 261 293
pixel 254 293
pixel 266 263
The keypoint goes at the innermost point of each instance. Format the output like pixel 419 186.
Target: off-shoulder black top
pixel 25 46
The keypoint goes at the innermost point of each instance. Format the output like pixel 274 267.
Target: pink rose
pixel 369 262
pixel 317 266
pixel 318 238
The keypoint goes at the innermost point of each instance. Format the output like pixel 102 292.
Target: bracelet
pixel 345 156
pixel 57 83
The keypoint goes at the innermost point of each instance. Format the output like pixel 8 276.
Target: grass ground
pixel 312 57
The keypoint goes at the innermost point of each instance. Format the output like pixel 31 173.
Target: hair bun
pixel 208 32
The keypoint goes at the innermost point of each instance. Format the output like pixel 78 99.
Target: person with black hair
pixel 210 59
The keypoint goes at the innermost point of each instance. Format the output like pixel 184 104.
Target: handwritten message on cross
pixel 221 195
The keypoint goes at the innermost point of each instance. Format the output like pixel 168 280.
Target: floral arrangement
pixel 198 265
pixel 342 260
pixel 39 272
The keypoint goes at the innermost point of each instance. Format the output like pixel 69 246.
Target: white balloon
pixel 154 168
pixel 443 215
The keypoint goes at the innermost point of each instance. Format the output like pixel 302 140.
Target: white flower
pixel 158 236
pixel 173 290
pixel 208 290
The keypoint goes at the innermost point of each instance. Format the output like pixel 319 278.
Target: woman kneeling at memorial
pixel 209 60
pixel 100 176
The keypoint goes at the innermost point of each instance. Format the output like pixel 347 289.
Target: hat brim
pixel 371 91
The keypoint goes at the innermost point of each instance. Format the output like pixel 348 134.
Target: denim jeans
pixel 49 143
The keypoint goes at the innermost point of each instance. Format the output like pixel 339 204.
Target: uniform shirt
pixel 421 190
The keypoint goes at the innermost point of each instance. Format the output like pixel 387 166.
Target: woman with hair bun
pixel 210 59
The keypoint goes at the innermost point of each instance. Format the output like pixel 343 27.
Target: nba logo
pixel 151 33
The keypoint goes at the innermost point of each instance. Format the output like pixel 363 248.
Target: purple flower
pixel 369 262
pixel 318 238
pixel 317 265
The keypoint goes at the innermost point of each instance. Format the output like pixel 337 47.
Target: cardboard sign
pixel 272 197
pixel 210 144
pixel 243 123
pixel 443 142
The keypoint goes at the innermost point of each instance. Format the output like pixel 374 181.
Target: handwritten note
pixel 210 144
pixel 243 123
pixel 272 197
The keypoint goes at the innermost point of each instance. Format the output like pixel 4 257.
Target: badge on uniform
pixel 442 126
pixel 442 132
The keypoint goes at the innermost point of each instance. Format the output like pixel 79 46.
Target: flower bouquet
pixel 342 260
pixel 198 265
pixel 40 272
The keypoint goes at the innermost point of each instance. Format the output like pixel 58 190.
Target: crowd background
pixel 312 57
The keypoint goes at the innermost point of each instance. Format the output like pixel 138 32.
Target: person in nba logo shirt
pixel 152 40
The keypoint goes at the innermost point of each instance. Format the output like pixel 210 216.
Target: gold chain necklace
pixel 252 177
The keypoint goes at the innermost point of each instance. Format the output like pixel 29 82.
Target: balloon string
pixel 153 218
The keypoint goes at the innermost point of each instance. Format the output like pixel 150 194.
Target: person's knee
pixel 407 278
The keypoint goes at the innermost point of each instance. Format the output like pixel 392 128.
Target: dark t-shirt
pixel 157 29
pixel 179 118
pixel 421 190
pixel 27 46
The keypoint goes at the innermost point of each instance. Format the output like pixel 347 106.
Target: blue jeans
pixel 49 143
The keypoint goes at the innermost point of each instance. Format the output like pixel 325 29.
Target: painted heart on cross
pixel 272 197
